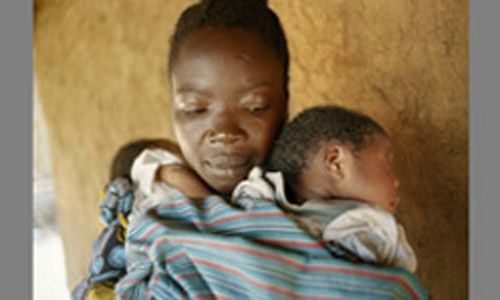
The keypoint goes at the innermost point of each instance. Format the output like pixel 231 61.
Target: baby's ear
pixel 335 159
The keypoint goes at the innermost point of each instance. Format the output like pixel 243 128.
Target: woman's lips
pixel 227 160
pixel 227 166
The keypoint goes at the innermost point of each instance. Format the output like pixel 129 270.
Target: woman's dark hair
pixel 310 128
pixel 251 15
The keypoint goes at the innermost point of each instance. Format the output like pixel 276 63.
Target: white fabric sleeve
pixel 259 185
pixel 373 235
pixel 255 186
pixel 147 163
pixel 405 256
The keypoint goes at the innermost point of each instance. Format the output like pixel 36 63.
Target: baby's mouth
pixel 394 204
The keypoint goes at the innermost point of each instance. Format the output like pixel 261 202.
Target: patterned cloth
pixel 108 254
pixel 121 201
pixel 190 249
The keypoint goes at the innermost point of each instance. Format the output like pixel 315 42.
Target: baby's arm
pixel 184 179
pixel 180 176
pixel 162 161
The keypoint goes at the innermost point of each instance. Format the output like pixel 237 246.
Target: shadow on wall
pixel 434 186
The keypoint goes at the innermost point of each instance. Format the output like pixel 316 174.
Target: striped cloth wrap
pixel 209 249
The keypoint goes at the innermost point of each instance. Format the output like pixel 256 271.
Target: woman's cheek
pixel 190 129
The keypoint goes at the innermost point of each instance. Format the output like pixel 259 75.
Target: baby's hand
pixel 184 179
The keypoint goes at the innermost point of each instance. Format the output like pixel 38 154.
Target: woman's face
pixel 228 103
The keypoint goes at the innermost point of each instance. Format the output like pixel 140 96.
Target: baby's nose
pixel 396 183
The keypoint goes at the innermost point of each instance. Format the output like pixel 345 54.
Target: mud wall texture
pixel 100 68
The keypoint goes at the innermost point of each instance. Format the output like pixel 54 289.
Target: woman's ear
pixel 335 158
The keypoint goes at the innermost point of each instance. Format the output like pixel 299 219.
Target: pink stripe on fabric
pixel 298 265
pixel 150 231
pixel 240 217
pixel 255 282
pixel 212 205
pixel 130 281
pixel 156 278
pixel 255 252
pixel 292 243
pixel 175 257
pixel 175 204
pixel 211 296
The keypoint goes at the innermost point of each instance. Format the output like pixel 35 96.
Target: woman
pixel 228 69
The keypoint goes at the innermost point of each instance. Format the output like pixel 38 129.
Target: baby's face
pixel 372 179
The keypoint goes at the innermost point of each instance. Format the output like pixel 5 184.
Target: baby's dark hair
pixel 124 158
pixel 314 126
pixel 252 15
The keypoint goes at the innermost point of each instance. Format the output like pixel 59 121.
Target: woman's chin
pixel 224 178
pixel 224 183
pixel 224 188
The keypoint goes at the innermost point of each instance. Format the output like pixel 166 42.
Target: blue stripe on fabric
pixel 199 267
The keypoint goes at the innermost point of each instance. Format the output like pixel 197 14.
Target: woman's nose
pixel 225 129
pixel 224 137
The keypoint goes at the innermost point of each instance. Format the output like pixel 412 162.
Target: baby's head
pixel 123 159
pixel 329 152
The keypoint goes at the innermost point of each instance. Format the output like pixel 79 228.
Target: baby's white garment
pixel 148 192
pixel 368 231
pixel 373 234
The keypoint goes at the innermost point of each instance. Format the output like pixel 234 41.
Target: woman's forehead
pixel 225 48
pixel 218 59
pixel 211 38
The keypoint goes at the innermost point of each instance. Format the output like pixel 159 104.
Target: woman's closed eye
pixel 255 104
pixel 194 110
pixel 189 105
pixel 256 109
